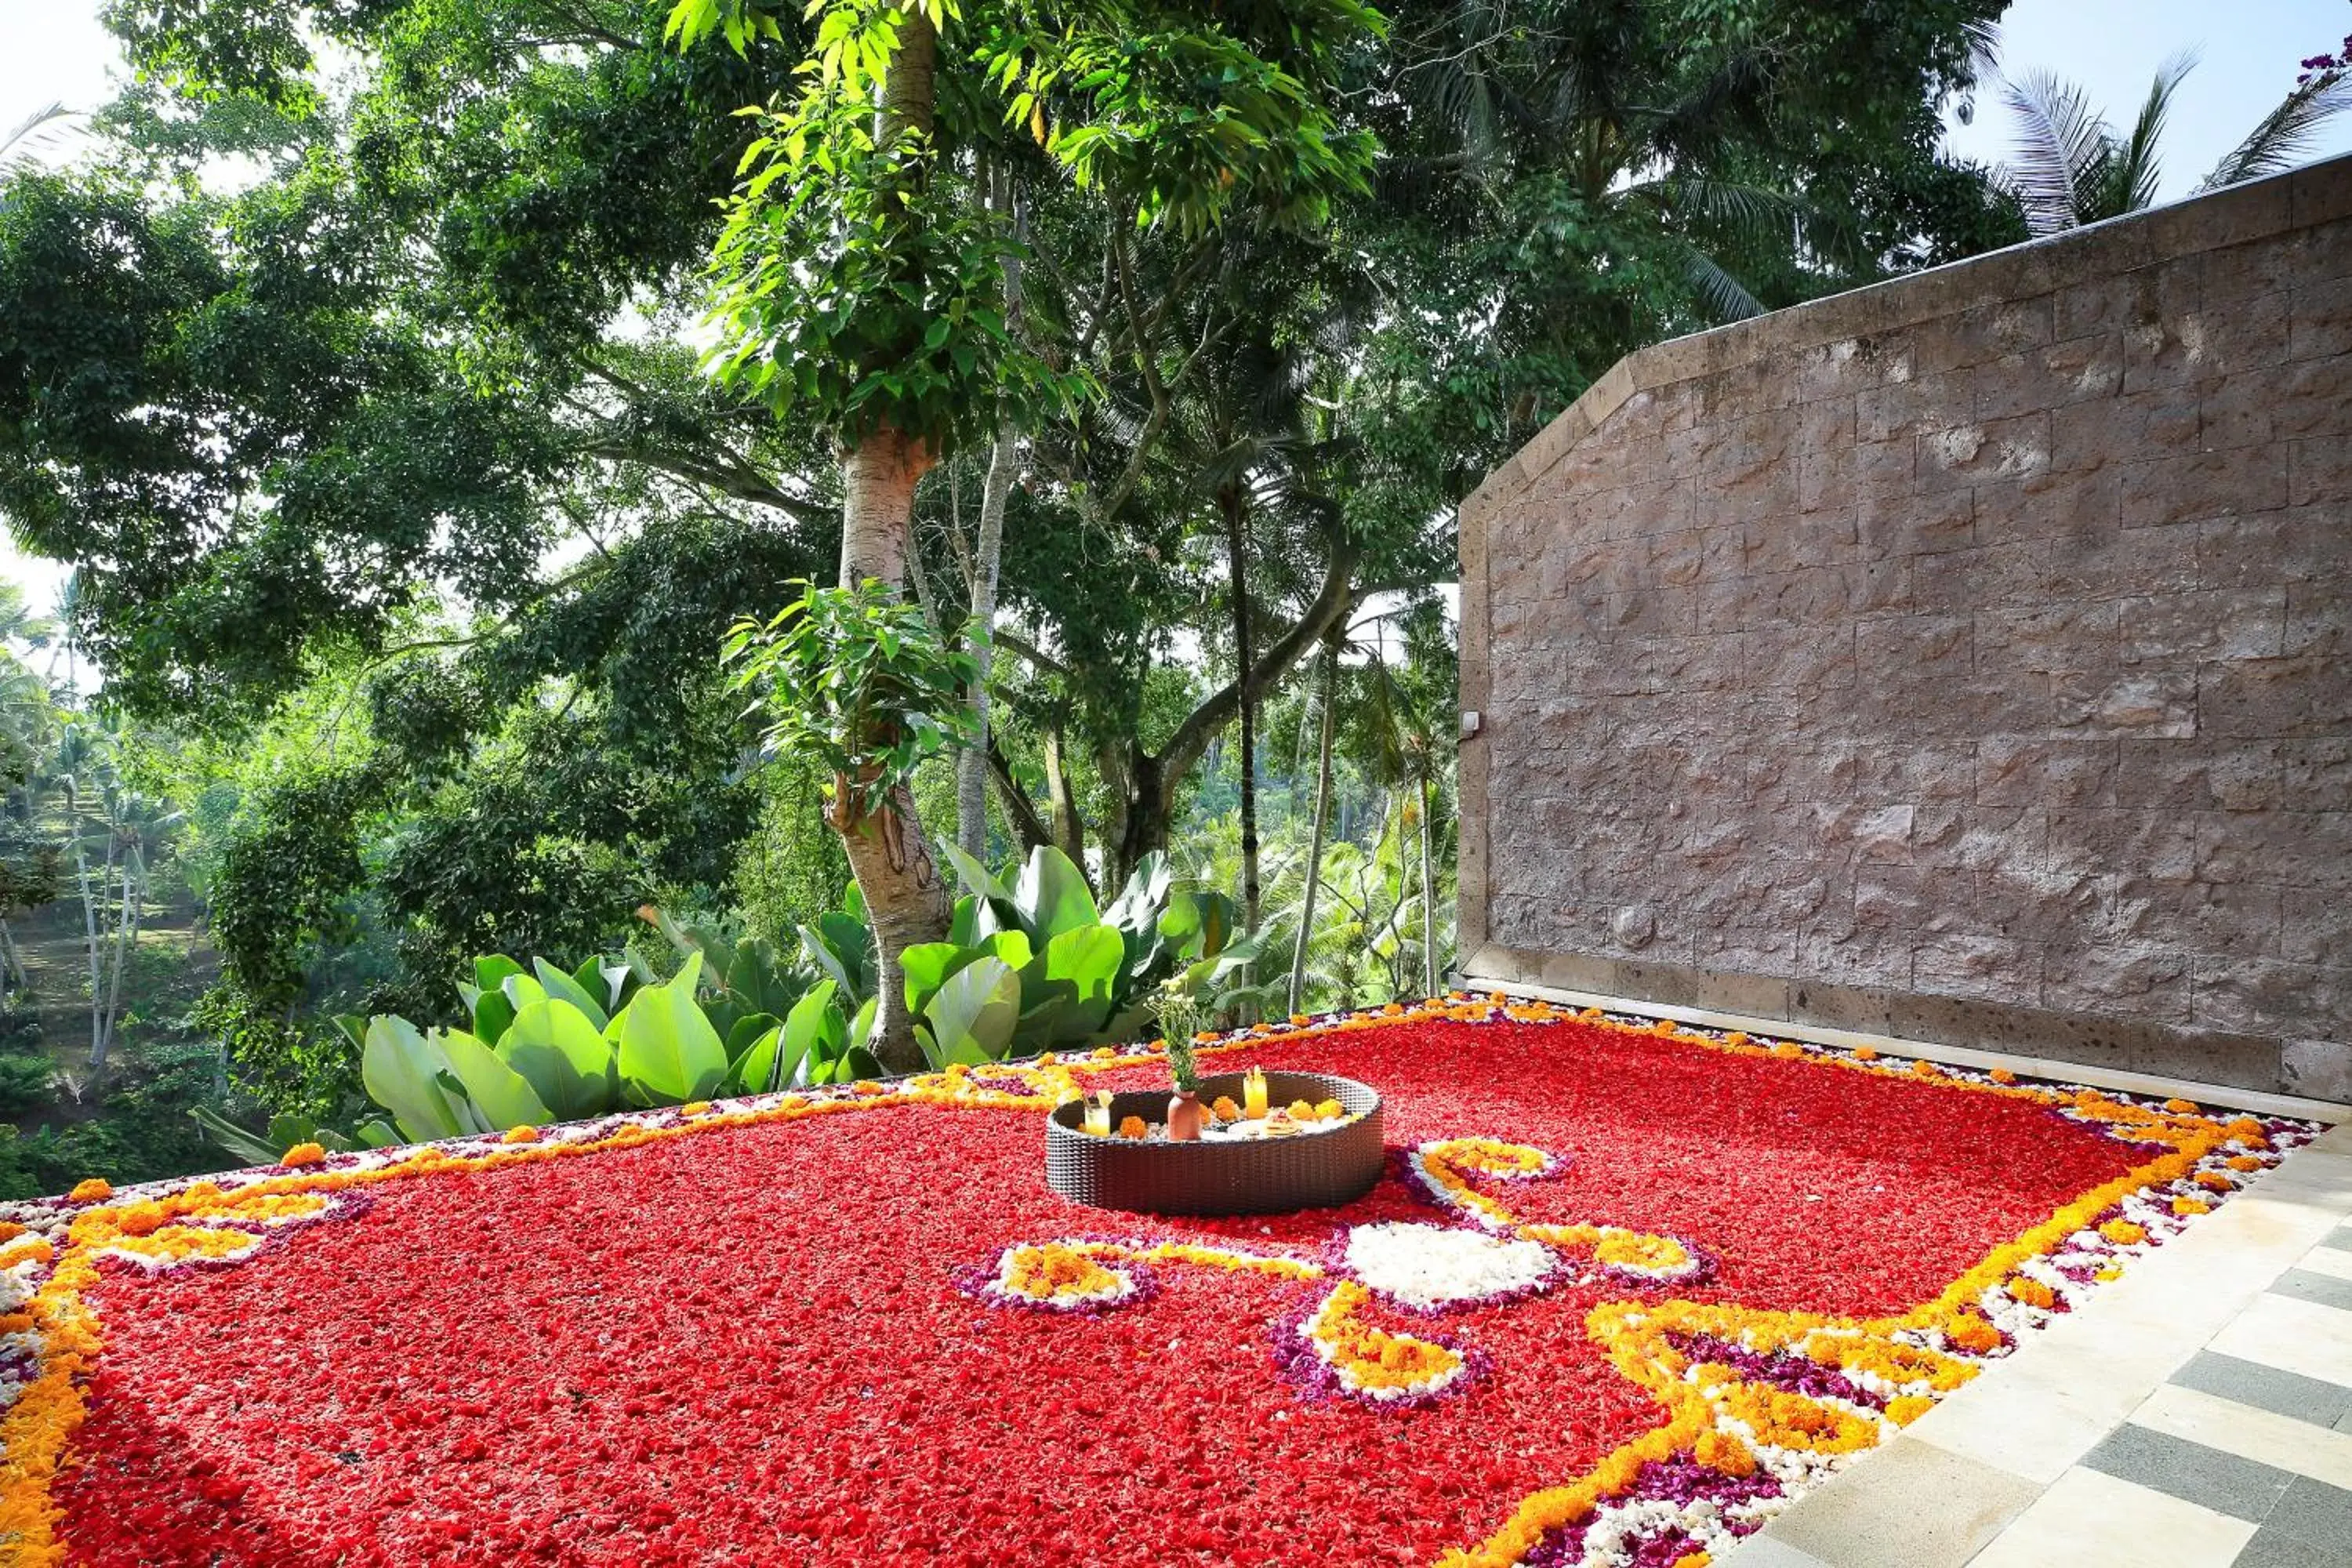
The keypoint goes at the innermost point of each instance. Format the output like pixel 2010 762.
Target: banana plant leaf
pixel 562 1052
pixel 973 1016
pixel 402 1071
pixel 503 1096
pixel 669 1053
pixel 557 985
pixel 1052 896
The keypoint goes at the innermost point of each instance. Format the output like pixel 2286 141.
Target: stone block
pixel 1983 450
pixel 2315 774
pixel 2045 504
pixel 2203 343
pixel 2183 628
pixel 2195 486
pixel 2173 776
pixel 2132 981
pixel 2051 376
pixel 1985 575
pixel 2159 845
pixel 1981 333
pixel 2317 1070
pixel 1902 524
pixel 2302 545
pixel 2320 471
pixel 1901 410
pixel 2319 318
pixel 2302 696
pixel 2093 435
pixel 2264 997
pixel 2309 850
pixel 2154 702
pixel 1991 968
pixel 2099 564
pixel 2032 770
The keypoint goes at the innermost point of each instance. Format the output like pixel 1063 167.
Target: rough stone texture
pixel 1969 657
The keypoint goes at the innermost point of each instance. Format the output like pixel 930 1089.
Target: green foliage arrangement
pixel 855 682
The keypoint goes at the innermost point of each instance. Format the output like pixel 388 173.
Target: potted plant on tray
pixel 1180 1020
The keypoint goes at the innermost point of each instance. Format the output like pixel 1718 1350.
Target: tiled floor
pixel 2196 1415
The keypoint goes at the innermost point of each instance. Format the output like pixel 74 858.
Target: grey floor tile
pixel 2316 1512
pixel 2267 1388
pixel 2306 1286
pixel 2340 1238
pixel 2207 1477
pixel 2269 1549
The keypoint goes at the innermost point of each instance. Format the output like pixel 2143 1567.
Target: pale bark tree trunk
pixel 1428 893
pixel 988 553
pixel 126 938
pixel 89 930
pixel 905 901
pixel 1322 817
pixel 1236 509
pixel 987 556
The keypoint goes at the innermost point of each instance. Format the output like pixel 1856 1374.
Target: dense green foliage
pixel 419 428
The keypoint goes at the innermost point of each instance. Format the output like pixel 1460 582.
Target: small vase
pixel 1185 1117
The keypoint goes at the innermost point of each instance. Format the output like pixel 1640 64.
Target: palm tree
pixel 2073 168
pixel 40 130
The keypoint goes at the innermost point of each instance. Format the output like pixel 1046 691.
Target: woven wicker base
pixel 1270 1175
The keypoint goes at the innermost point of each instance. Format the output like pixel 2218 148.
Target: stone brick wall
pixel 1964 657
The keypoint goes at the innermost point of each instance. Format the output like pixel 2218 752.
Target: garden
pixel 756 700
pixel 1621 1292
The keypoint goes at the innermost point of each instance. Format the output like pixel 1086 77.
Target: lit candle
pixel 1253 1093
pixel 1097 1121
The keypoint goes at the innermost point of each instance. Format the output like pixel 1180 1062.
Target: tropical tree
pixel 858 290
pixel 2073 168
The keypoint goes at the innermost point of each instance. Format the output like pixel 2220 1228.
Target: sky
pixel 55 51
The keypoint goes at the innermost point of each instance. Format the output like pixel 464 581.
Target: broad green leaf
pixel 562 1054
pixel 377 1136
pixel 501 1094
pixel 669 1053
pixel 1088 957
pixel 1052 896
pixel 245 1145
pixel 401 1070
pixel 973 1017
pixel 491 970
pixel 978 880
pixel 926 966
pixel 493 1010
pixel 557 985
pixel 521 990
pixel 815 1036
pixel 754 1068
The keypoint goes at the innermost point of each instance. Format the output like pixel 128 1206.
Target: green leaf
pixel 753 1069
pixel 560 1051
pixel 815 1036
pixel 501 1094
pixel 493 1012
pixel 521 991
pixel 669 1053
pixel 1052 896
pixel 555 984
pixel 926 966
pixel 973 1017
pixel 401 1070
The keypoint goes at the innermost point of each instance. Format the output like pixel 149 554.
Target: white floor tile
pixel 2328 1261
pixel 2279 1441
pixel 2092 1521
pixel 2292 1335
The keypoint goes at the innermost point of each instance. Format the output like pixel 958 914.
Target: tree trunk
pixel 126 937
pixel 89 930
pixel 906 899
pixel 980 630
pixel 1236 509
pixel 1428 893
pixel 1069 832
pixel 987 555
pixel 1322 817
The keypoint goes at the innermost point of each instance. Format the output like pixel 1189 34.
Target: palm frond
pixel 2133 178
pixel 1722 293
pixel 2063 145
pixel 2285 134
pixel 36 130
